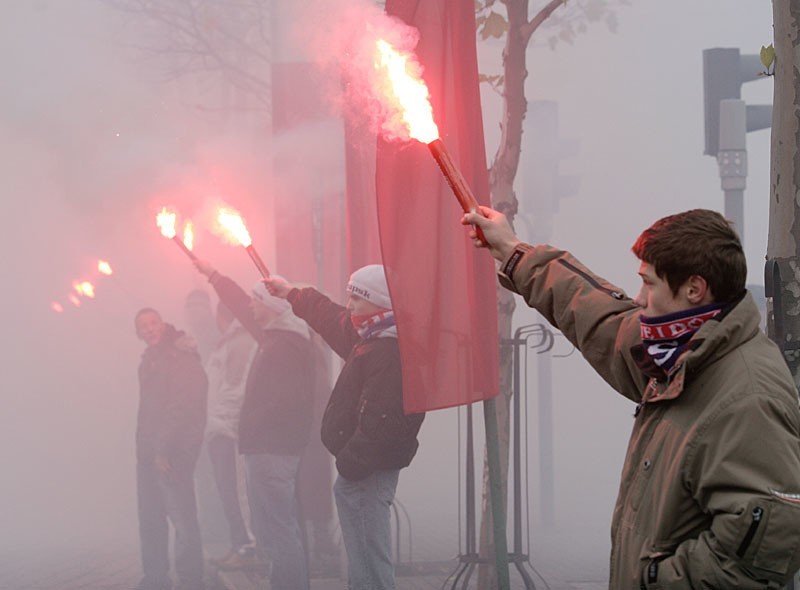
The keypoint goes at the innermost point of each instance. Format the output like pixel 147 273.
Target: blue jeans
pixel 165 499
pixel 275 523
pixel 364 515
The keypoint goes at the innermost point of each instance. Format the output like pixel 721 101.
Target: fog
pixel 94 138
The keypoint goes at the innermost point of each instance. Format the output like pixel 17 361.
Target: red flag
pixel 443 290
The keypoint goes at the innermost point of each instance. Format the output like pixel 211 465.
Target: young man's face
pixel 149 328
pixel 656 297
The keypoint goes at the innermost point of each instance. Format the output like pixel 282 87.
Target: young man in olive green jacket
pixel 710 489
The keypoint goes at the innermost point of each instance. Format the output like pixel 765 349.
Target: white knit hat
pixel 369 282
pixel 261 293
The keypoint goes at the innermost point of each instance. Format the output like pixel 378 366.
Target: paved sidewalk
pixel 111 568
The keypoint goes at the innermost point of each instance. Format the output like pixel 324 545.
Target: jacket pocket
pixel 768 537
pixel 382 423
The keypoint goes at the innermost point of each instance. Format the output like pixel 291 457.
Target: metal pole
pixel 732 159
pixel 544 378
pixel 517 444
pixel 472 542
pixel 496 494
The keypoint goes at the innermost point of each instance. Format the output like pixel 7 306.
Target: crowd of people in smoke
pixel 710 489
pixel 253 381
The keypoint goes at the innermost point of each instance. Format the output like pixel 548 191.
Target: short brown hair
pixel 697 242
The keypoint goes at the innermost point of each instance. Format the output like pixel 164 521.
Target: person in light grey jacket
pixel 227 368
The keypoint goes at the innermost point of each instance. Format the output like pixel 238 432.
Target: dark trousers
pixel 165 499
pixel 222 453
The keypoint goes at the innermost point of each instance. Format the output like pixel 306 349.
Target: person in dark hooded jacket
pixel 169 434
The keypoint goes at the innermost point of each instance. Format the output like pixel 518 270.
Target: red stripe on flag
pixel 443 290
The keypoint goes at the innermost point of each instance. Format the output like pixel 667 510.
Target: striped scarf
pixel 380 324
pixel 665 337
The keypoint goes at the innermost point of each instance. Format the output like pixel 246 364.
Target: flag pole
pixel 496 494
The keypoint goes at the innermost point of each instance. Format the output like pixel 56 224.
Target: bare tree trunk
pixel 784 220
pixel 502 173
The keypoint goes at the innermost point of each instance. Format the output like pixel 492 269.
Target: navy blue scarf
pixel 665 337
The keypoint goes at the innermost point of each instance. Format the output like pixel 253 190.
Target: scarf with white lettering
pixel 380 324
pixel 665 337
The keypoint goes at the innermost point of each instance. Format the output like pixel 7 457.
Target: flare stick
pixel 262 268
pixel 183 247
pixel 456 180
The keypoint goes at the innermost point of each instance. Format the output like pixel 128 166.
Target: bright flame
pixel 57 307
pixel 188 235
pixel 87 289
pixel 104 267
pixel 166 221
pixel 84 288
pixel 411 93
pixel 233 226
pixel 74 299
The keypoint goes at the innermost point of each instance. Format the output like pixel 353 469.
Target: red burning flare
pixel 188 235
pixel 166 220
pixel 409 97
pixel 84 288
pixel 104 267
pixel 232 227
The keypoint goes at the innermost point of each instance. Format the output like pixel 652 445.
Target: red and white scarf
pixel 380 324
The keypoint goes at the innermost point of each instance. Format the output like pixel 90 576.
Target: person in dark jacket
pixel 364 425
pixel 169 434
pixel 274 424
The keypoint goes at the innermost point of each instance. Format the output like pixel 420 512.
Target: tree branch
pixel 529 28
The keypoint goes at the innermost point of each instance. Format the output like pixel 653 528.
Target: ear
pixel 697 291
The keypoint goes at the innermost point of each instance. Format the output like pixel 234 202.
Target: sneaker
pixel 223 559
pixel 240 559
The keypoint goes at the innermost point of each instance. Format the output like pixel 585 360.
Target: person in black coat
pixel 364 425
pixel 169 434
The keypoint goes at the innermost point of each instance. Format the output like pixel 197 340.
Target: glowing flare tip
pixel 84 288
pixel 410 92
pixel 165 220
pixel 233 225
pixel 104 267
pixel 188 235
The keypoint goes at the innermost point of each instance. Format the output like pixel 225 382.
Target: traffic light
pixel 724 72
pixel 542 149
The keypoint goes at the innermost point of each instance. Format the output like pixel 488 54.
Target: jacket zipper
pixel 757 514
pixel 592 281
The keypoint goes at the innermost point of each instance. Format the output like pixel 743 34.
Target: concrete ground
pixel 117 568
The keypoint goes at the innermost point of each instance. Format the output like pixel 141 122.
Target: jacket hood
pixel 719 336
pixel 290 323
